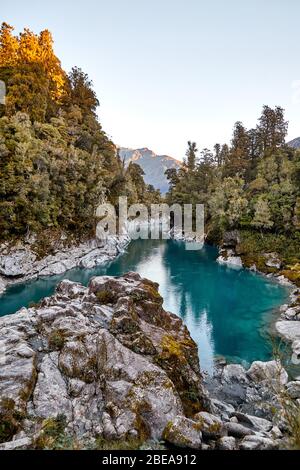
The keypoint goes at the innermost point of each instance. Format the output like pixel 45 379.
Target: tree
pixel 9 46
pixel 218 155
pixel 224 154
pixel 172 177
pixel 34 78
pixel 296 217
pixel 271 130
pixel 81 91
pixel 262 215
pixel 191 155
pixel 28 92
pixel 228 203
pixel 238 158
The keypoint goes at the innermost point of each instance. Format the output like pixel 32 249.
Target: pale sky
pixel 168 71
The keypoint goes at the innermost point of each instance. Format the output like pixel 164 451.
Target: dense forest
pixel 252 185
pixel 56 162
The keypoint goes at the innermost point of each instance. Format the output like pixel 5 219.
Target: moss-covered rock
pixel 183 432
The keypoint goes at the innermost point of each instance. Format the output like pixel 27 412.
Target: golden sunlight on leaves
pixel 28 48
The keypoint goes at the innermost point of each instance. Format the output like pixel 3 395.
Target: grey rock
pixel 19 263
pixel 222 409
pixel 258 443
pixel 258 424
pixel 211 426
pixel 234 373
pixel 94 363
pixel 205 446
pixel 231 238
pixel 276 433
pixel 296 351
pixel 237 430
pixel 291 313
pixel 289 330
pixel 226 443
pixel 272 260
pixel 293 389
pixel 230 260
pixel 271 371
pixel 17 444
pixel 3 284
pixel 183 432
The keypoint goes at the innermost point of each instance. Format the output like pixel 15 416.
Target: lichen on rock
pixel 115 366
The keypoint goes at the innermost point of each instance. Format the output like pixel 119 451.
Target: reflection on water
pixel 227 311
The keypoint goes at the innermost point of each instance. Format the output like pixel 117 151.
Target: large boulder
pixel 237 430
pixel 210 425
pixel 270 372
pixel 258 443
pixel 108 358
pixel 183 432
pixel 254 422
pixel 234 373
pixel 226 443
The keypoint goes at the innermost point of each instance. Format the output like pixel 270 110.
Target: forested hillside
pixel 56 162
pixel 252 185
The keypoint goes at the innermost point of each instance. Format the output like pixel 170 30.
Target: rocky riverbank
pixel 107 366
pixel 20 262
pixel 288 322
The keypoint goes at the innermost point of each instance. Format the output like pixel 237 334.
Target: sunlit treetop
pixel 29 48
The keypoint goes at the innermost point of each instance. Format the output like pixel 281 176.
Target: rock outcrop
pixel 19 263
pixel 288 325
pixel 107 357
pixel 227 252
pixel 108 363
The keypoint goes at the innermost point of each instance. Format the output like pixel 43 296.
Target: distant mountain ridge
pixel 295 143
pixel 154 165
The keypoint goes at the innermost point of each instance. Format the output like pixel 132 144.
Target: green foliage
pixel 128 444
pixel 53 436
pixel 56 340
pixel 252 185
pixel 10 419
pixel 106 297
pixel 255 243
pixel 56 163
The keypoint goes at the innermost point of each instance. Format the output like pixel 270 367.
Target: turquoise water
pixel 227 311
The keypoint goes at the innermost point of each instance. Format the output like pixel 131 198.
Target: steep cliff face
pixel 154 165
